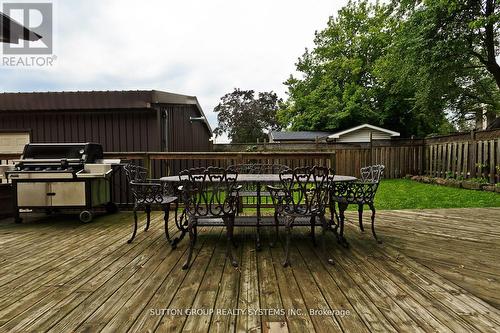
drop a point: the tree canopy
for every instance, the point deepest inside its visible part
(245, 118)
(412, 66)
(447, 51)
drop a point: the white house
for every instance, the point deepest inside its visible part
(362, 133)
(356, 134)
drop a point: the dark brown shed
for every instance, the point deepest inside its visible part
(121, 120)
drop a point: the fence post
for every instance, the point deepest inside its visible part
(333, 162)
(473, 154)
(419, 153)
(147, 164)
(371, 148)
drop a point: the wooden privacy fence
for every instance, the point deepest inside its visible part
(399, 161)
(463, 155)
(465, 159)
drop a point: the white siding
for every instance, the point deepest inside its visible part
(363, 135)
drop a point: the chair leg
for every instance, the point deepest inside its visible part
(148, 217)
(341, 238)
(334, 217)
(179, 222)
(276, 230)
(323, 239)
(166, 214)
(313, 226)
(360, 217)
(229, 221)
(192, 240)
(233, 239)
(178, 219)
(288, 227)
(135, 226)
(372, 207)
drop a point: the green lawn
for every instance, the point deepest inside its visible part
(408, 194)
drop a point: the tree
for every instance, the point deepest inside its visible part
(341, 85)
(410, 65)
(245, 118)
(447, 51)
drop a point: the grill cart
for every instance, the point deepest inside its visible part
(70, 177)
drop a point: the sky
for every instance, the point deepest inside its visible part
(191, 47)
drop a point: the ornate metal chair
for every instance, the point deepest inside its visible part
(361, 192)
(256, 190)
(209, 195)
(303, 193)
(148, 193)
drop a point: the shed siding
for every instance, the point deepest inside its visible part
(184, 135)
(116, 130)
(363, 135)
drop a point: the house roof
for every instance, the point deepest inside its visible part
(12, 31)
(94, 100)
(297, 136)
(338, 134)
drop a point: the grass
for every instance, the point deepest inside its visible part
(408, 194)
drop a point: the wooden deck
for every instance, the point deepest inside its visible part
(437, 271)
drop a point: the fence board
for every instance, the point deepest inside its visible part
(459, 160)
(492, 160)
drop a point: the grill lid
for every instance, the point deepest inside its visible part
(56, 152)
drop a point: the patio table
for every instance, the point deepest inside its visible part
(258, 180)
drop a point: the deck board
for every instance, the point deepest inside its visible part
(437, 270)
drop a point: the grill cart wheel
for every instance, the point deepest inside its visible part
(86, 216)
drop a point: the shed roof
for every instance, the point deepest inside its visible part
(298, 135)
(376, 128)
(93, 100)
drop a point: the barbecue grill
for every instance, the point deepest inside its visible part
(63, 176)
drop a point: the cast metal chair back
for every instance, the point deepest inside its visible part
(303, 193)
(209, 195)
(372, 173)
(305, 190)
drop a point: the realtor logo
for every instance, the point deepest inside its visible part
(29, 30)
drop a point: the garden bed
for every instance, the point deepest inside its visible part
(478, 184)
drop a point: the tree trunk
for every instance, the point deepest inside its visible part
(491, 62)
